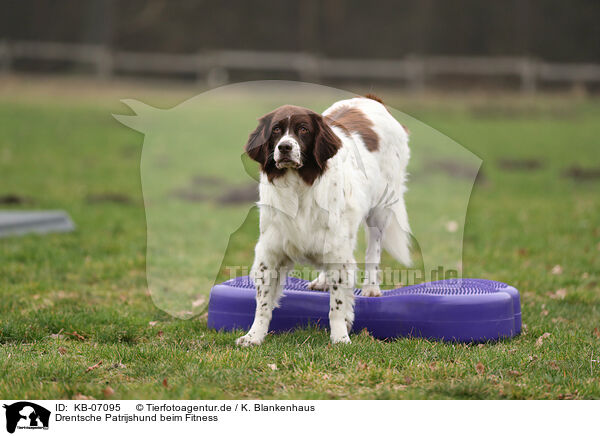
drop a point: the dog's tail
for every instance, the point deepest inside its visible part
(374, 97)
(396, 236)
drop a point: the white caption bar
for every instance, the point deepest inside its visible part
(297, 417)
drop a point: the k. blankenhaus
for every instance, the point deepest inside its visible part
(280, 408)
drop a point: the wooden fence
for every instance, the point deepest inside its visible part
(214, 67)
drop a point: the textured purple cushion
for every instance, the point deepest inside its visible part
(453, 310)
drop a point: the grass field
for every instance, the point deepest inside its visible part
(71, 301)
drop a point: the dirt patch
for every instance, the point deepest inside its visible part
(109, 197)
(208, 181)
(519, 112)
(520, 164)
(225, 196)
(14, 199)
(209, 188)
(238, 195)
(580, 174)
(130, 151)
(454, 169)
(190, 195)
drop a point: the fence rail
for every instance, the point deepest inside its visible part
(214, 67)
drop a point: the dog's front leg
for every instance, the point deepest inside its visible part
(341, 280)
(268, 274)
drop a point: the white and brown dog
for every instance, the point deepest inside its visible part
(321, 177)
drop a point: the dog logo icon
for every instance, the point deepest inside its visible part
(26, 415)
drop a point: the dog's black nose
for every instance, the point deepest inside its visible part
(285, 148)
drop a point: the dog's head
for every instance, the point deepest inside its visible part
(292, 138)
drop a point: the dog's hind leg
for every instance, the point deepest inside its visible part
(320, 283)
(375, 224)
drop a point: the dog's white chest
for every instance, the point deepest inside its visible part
(305, 234)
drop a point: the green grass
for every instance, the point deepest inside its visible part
(520, 224)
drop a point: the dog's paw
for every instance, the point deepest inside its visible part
(370, 291)
(344, 339)
(318, 285)
(247, 341)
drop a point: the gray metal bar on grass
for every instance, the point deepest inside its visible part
(23, 222)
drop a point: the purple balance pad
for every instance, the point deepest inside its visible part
(462, 310)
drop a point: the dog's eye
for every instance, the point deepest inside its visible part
(276, 129)
(303, 130)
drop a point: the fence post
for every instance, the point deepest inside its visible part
(104, 63)
(308, 67)
(5, 57)
(415, 73)
(210, 73)
(528, 72)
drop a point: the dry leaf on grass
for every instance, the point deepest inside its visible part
(523, 252)
(184, 314)
(108, 392)
(398, 387)
(365, 333)
(76, 335)
(199, 302)
(165, 383)
(480, 368)
(93, 367)
(596, 332)
(557, 270)
(559, 294)
(273, 366)
(568, 396)
(540, 340)
(82, 397)
(160, 334)
(62, 351)
(451, 226)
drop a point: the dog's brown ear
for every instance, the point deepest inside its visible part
(256, 147)
(326, 142)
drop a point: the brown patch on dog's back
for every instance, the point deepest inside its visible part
(355, 121)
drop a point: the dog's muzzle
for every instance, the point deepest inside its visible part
(287, 154)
